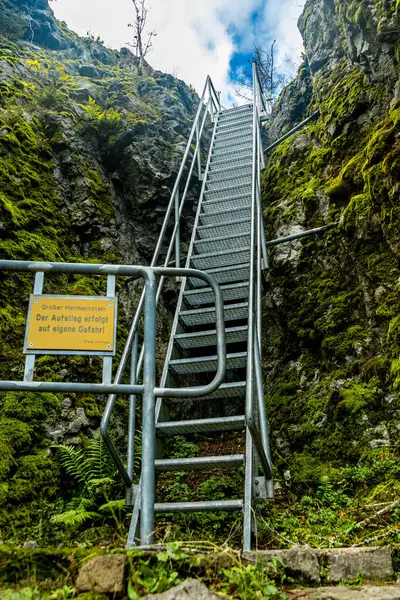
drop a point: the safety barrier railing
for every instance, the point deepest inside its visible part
(148, 388)
(255, 405)
(209, 104)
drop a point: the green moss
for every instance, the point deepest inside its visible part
(100, 194)
(331, 320)
(28, 475)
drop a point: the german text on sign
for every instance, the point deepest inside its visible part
(71, 324)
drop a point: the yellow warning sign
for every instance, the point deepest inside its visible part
(71, 324)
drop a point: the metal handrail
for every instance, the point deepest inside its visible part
(148, 389)
(164, 376)
(255, 410)
(175, 205)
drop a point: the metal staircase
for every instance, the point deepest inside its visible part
(228, 244)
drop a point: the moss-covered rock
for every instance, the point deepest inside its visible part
(85, 161)
(331, 316)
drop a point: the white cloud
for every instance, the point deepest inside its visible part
(280, 20)
(193, 38)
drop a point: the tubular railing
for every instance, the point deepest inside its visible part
(255, 406)
(148, 389)
(209, 105)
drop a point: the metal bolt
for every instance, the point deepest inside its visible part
(31, 344)
(257, 482)
(36, 301)
(108, 346)
(110, 303)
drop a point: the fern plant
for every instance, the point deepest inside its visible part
(105, 121)
(94, 474)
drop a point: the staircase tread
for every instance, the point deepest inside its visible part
(227, 210)
(222, 238)
(230, 187)
(222, 170)
(229, 199)
(218, 225)
(242, 130)
(227, 268)
(225, 286)
(195, 311)
(210, 332)
(220, 253)
(199, 359)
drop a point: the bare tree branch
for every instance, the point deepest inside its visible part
(381, 512)
(271, 79)
(141, 45)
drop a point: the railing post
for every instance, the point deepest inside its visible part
(178, 232)
(132, 419)
(210, 102)
(31, 358)
(198, 151)
(148, 416)
(108, 360)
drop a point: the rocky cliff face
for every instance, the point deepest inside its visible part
(331, 316)
(90, 147)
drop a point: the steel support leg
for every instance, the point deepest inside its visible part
(148, 439)
(132, 421)
(248, 492)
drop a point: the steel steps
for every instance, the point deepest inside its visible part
(232, 167)
(231, 133)
(214, 184)
(235, 291)
(225, 274)
(223, 176)
(204, 364)
(230, 143)
(216, 205)
(233, 390)
(220, 192)
(222, 243)
(224, 123)
(224, 258)
(230, 461)
(201, 426)
(240, 144)
(231, 160)
(221, 247)
(238, 112)
(238, 227)
(205, 316)
(220, 215)
(233, 335)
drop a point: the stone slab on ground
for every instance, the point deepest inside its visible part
(103, 574)
(301, 562)
(362, 592)
(304, 564)
(191, 589)
(347, 563)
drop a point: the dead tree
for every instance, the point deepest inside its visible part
(142, 41)
(271, 78)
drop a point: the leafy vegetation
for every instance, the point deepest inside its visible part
(152, 572)
(94, 473)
